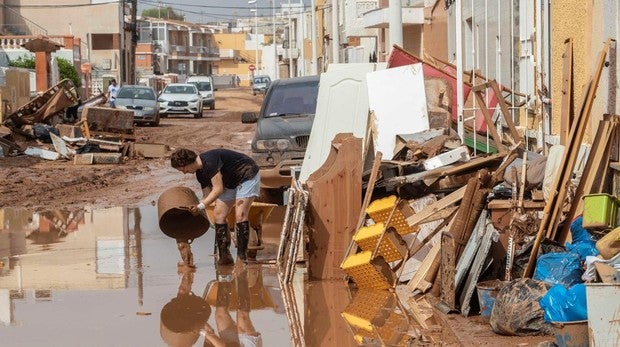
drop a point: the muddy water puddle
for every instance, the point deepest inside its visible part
(110, 277)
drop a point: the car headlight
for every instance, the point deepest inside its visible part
(273, 145)
(162, 101)
(194, 100)
(209, 95)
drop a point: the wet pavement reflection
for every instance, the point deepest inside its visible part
(110, 277)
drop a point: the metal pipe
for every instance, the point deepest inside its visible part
(335, 33)
(302, 25)
(313, 65)
(274, 43)
(290, 42)
(396, 23)
(459, 69)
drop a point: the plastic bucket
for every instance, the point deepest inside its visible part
(571, 334)
(487, 292)
(175, 219)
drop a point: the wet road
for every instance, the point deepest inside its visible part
(109, 277)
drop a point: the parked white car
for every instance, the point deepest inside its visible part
(206, 89)
(180, 98)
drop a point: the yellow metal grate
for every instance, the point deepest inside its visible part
(367, 272)
(379, 210)
(392, 247)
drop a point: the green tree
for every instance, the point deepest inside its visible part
(65, 68)
(163, 12)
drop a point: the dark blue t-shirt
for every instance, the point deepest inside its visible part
(235, 167)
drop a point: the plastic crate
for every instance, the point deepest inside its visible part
(599, 211)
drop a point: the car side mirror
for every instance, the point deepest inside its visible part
(249, 117)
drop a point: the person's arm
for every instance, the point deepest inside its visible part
(217, 188)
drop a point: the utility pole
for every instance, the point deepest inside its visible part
(134, 42)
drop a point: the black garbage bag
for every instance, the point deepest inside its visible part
(516, 310)
(42, 132)
(89, 147)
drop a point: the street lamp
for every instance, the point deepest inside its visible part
(255, 10)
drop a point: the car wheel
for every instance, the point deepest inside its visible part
(163, 115)
(198, 115)
(212, 107)
(254, 93)
(155, 123)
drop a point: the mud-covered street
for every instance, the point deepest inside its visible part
(38, 184)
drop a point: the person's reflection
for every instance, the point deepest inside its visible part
(185, 315)
(241, 291)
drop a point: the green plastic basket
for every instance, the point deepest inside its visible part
(599, 211)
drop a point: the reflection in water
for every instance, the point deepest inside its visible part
(183, 317)
(117, 262)
(238, 288)
(376, 318)
(55, 225)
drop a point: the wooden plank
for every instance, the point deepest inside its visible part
(567, 107)
(423, 278)
(448, 271)
(490, 124)
(598, 158)
(505, 112)
(558, 193)
(435, 207)
(367, 197)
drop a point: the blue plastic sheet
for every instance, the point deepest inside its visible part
(559, 268)
(583, 242)
(565, 305)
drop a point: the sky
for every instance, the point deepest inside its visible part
(200, 11)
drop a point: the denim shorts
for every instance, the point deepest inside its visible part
(247, 189)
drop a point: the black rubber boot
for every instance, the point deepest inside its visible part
(222, 240)
(243, 235)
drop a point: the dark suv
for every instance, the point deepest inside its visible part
(283, 128)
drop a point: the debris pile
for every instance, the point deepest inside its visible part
(468, 224)
(57, 125)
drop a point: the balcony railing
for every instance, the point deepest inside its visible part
(16, 42)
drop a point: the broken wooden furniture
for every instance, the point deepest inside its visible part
(44, 107)
(335, 194)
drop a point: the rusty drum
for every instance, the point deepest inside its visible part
(175, 219)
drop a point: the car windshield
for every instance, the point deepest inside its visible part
(203, 86)
(292, 99)
(180, 90)
(136, 93)
(261, 80)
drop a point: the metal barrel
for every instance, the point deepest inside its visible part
(175, 219)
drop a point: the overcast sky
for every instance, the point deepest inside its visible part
(214, 10)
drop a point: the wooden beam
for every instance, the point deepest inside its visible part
(435, 207)
(567, 111)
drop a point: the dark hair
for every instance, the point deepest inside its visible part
(182, 157)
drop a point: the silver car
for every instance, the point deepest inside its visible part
(142, 100)
(180, 98)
